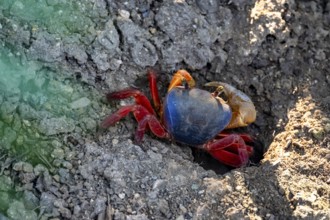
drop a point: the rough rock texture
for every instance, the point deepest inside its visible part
(277, 51)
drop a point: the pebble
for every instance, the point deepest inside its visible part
(80, 103)
(58, 153)
(115, 141)
(121, 195)
(123, 13)
(67, 165)
(23, 166)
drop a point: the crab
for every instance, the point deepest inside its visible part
(192, 116)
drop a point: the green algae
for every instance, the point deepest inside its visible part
(57, 16)
(37, 106)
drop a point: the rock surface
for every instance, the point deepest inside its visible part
(276, 51)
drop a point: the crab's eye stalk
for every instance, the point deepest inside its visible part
(185, 84)
(182, 77)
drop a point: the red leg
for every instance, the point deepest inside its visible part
(245, 137)
(139, 97)
(115, 117)
(230, 150)
(154, 90)
(154, 125)
(144, 118)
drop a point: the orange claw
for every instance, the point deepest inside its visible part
(244, 112)
(179, 77)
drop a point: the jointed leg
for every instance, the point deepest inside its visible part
(139, 97)
(144, 118)
(154, 90)
(230, 150)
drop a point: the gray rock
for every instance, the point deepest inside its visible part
(6, 183)
(80, 103)
(47, 202)
(27, 112)
(2, 217)
(144, 53)
(131, 32)
(54, 126)
(109, 38)
(208, 6)
(45, 48)
(30, 200)
(176, 20)
(74, 50)
(99, 206)
(101, 59)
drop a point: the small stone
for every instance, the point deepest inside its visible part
(182, 208)
(27, 167)
(121, 195)
(80, 103)
(115, 141)
(18, 166)
(5, 183)
(56, 178)
(327, 127)
(194, 186)
(58, 153)
(123, 13)
(47, 201)
(67, 165)
(317, 133)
